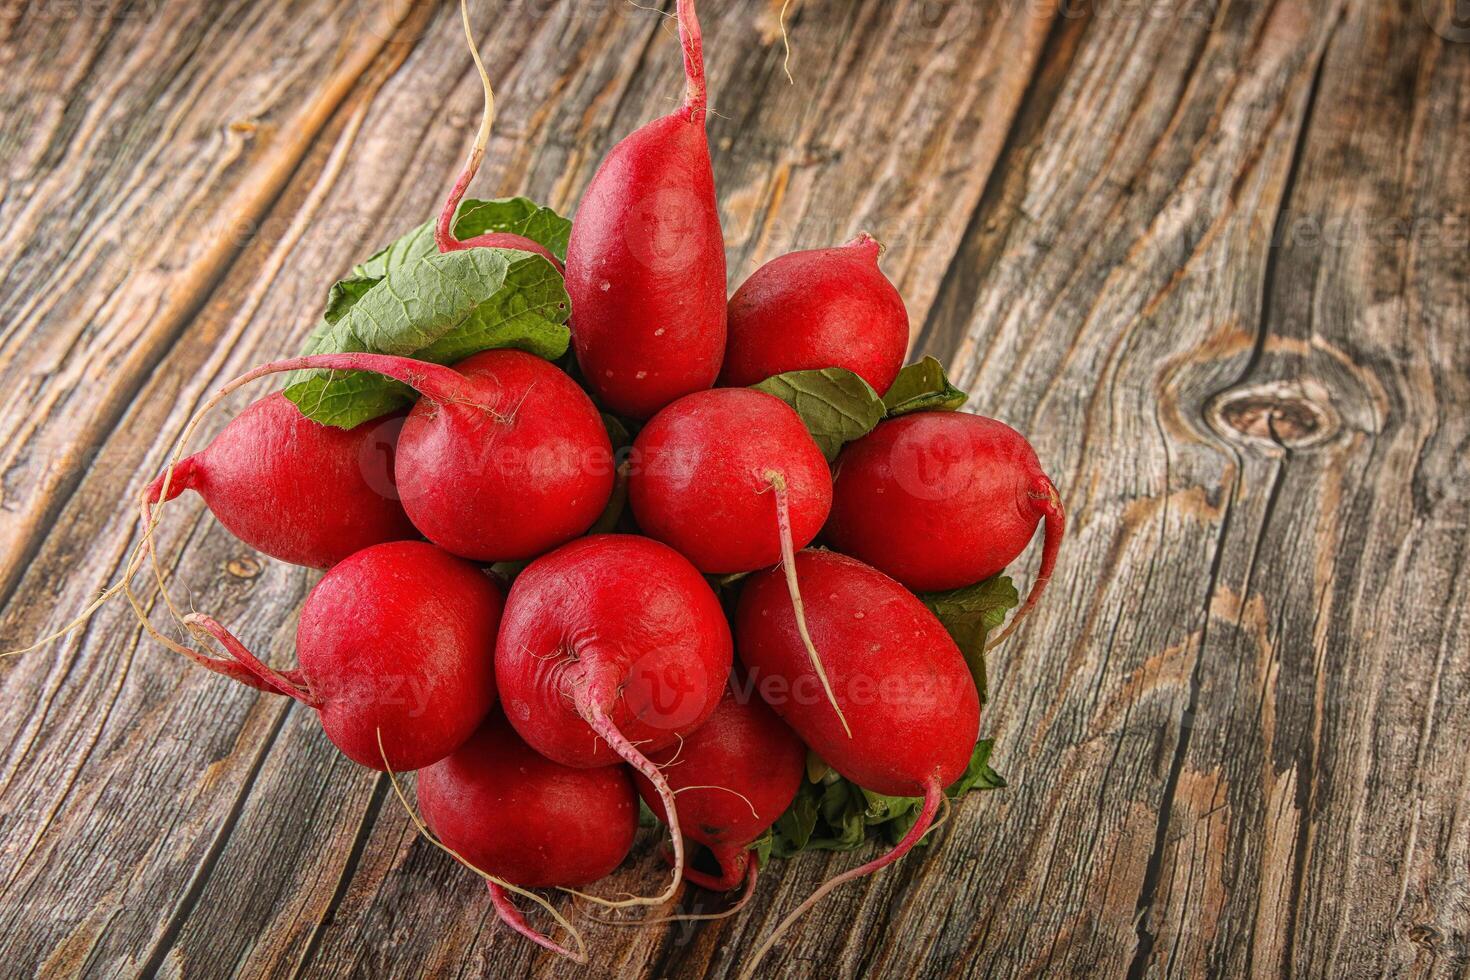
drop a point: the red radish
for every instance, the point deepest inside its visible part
(914, 711)
(299, 491)
(398, 638)
(704, 479)
(516, 815)
(827, 307)
(734, 776)
(444, 230)
(508, 468)
(646, 262)
(732, 479)
(503, 458)
(611, 647)
(939, 500)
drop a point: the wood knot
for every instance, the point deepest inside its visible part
(1296, 414)
(244, 567)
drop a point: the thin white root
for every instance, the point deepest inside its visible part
(723, 789)
(428, 835)
(785, 40)
(487, 117)
(145, 543)
(788, 563)
(746, 895)
(601, 724)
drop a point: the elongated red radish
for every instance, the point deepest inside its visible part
(646, 261)
(734, 776)
(826, 307)
(294, 489)
(398, 638)
(902, 682)
(732, 479)
(940, 500)
(611, 647)
(444, 230)
(520, 817)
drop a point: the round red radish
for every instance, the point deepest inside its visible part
(902, 683)
(706, 474)
(611, 647)
(939, 500)
(646, 262)
(500, 460)
(512, 813)
(398, 639)
(294, 489)
(734, 481)
(514, 466)
(827, 307)
(733, 776)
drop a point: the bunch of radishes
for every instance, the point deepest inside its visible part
(760, 695)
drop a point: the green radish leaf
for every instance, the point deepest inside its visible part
(343, 295)
(816, 769)
(837, 405)
(970, 613)
(517, 215)
(838, 815)
(763, 846)
(922, 387)
(795, 826)
(437, 308)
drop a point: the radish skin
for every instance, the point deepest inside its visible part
(940, 500)
(734, 776)
(646, 262)
(398, 638)
(902, 683)
(827, 307)
(733, 480)
(521, 818)
(266, 478)
(611, 647)
(502, 459)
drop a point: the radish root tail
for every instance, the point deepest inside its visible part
(600, 723)
(248, 660)
(444, 231)
(785, 41)
(788, 564)
(933, 793)
(580, 956)
(750, 870)
(1049, 503)
(512, 917)
(695, 96)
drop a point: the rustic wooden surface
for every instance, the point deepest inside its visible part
(1213, 256)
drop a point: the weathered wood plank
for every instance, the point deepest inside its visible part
(142, 141)
(1240, 749)
(1315, 824)
(1118, 285)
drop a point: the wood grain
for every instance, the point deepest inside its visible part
(1211, 257)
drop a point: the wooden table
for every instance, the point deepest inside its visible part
(1210, 255)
